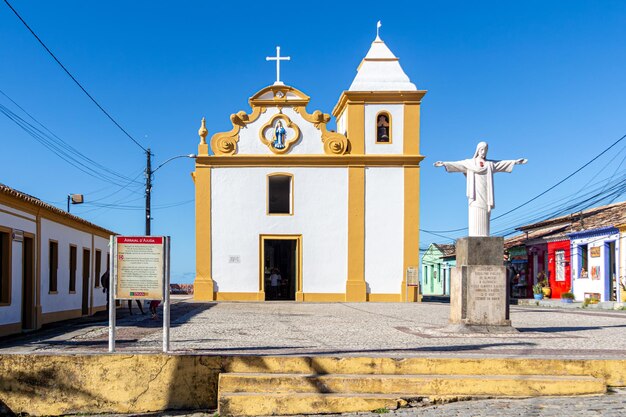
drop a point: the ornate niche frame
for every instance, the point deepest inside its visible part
(287, 124)
(334, 143)
(225, 143)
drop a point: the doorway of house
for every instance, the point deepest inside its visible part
(28, 284)
(609, 249)
(86, 275)
(280, 267)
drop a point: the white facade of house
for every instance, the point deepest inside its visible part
(29, 226)
(603, 248)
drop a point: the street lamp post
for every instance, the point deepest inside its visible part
(149, 173)
(74, 199)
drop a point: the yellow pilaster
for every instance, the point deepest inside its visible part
(411, 226)
(355, 285)
(203, 284)
(411, 146)
(355, 128)
(411, 140)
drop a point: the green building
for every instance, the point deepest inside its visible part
(436, 264)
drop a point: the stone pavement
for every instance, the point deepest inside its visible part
(339, 329)
(610, 405)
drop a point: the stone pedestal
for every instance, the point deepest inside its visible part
(479, 299)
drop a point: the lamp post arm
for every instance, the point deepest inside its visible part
(149, 172)
(191, 155)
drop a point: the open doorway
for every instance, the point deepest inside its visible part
(86, 280)
(611, 276)
(28, 284)
(280, 268)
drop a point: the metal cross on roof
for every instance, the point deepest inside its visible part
(278, 58)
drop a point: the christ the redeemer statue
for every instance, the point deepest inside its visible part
(479, 172)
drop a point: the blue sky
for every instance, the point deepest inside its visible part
(537, 79)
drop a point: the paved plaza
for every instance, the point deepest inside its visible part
(338, 329)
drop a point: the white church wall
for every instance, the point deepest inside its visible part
(396, 112)
(63, 300)
(10, 219)
(342, 122)
(384, 229)
(239, 217)
(310, 141)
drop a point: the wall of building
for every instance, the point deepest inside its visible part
(396, 111)
(597, 275)
(239, 216)
(310, 141)
(558, 287)
(63, 304)
(384, 229)
(11, 218)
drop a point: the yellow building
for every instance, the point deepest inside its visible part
(287, 209)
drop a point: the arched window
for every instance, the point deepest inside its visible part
(383, 127)
(280, 194)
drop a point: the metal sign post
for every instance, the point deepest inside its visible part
(111, 293)
(166, 296)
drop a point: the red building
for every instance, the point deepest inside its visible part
(559, 269)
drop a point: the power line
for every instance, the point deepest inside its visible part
(73, 78)
(52, 137)
(66, 152)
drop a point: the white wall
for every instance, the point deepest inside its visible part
(102, 244)
(384, 229)
(239, 216)
(622, 260)
(64, 235)
(310, 141)
(583, 285)
(9, 219)
(397, 129)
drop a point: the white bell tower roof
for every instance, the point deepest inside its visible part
(380, 70)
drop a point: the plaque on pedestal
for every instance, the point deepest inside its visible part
(479, 299)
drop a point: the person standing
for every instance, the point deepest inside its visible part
(104, 281)
(275, 281)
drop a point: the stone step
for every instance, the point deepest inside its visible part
(412, 385)
(613, 371)
(267, 404)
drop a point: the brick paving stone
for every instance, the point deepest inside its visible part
(339, 329)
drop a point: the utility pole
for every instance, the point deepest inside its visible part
(148, 189)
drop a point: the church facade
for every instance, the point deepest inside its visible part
(287, 209)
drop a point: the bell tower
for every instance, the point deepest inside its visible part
(380, 115)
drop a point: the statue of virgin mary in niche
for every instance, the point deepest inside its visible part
(279, 136)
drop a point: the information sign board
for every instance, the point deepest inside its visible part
(140, 267)
(412, 278)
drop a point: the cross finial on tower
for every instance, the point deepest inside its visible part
(278, 58)
(378, 25)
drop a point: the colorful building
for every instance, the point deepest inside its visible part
(436, 264)
(50, 263)
(595, 262)
(559, 250)
(287, 209)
